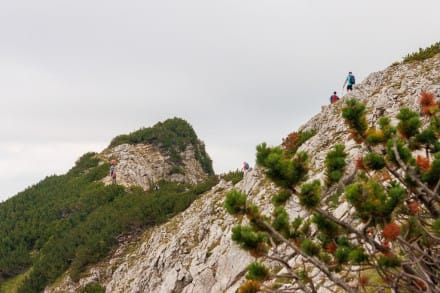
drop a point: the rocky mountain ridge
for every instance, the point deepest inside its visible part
(144, 164)
(194, 252)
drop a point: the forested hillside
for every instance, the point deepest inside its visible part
(68, 221)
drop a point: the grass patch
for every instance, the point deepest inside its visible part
(12, 285)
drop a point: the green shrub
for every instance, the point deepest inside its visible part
(354, 115)
(423, 54)
(389, 262)
(84, 163)
(335, 164)
(257, 271)
(358, 256)
(281, 221)
(427, 137)
(409, 123)
(233, 176)
(309, 247)
(247, 237)
(325, 226)
(370, 199)
(281, 197)
(402, 150)
(235, 202)
(205, 185)
(436, 226)
(93, 288)
(342, 254)
(282, 169)
(374, 161)
(310, 194)
(386, 128)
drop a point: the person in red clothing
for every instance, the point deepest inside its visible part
(334, 98)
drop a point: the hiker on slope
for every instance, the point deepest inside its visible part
(334, 98)
(349, 81)
(113, 171)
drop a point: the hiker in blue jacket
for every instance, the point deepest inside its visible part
(349, 81)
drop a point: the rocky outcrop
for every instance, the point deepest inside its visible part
(145, 164)
(194, 252)
(383, 93)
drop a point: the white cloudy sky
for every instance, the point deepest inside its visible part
(76, 73)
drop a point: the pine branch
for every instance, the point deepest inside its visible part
(317, 263)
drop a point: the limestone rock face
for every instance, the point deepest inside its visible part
(145, 164)
(193, 252)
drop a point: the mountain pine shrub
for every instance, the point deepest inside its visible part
(235, 202)
(310, 194)
(257, 271)
(354, 114)
(281, 197)
(392, 241)
(409, 123)
(335, 164)
(423, 53)
(294, 140)
(374, 161)
(233, 176)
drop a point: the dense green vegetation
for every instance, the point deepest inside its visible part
(72, 220)
(391, 240)
(233, 176)
(423, 53)
(172, 136)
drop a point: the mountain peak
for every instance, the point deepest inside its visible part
(169, 150)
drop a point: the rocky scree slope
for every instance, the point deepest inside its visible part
(194, 251)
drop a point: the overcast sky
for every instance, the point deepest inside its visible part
(74, 74)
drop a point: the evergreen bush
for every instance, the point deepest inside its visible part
(335, 164)
(235, 202)
(374, 161)
(423, 53)
(257, 272)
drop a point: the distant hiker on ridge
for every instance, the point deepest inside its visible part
(113, 171)
(334, 98)
(349, 81)
(246, 166)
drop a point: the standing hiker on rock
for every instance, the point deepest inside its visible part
(349, 81)
(113, 171)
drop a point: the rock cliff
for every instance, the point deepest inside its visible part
(194, 252)
(145, 164)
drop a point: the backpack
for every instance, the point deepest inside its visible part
(352, 79)
(334, 99)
